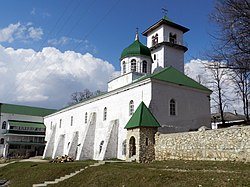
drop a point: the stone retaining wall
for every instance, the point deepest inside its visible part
(221, 144)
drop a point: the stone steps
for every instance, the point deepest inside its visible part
(45, 183)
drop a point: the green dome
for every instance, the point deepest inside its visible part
(136, 49)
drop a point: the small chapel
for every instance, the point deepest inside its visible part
(152, 94)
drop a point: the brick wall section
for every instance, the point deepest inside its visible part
(222, 144)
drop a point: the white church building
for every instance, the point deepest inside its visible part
(152, 74)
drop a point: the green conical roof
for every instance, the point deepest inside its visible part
(142, 117)
(136, 49)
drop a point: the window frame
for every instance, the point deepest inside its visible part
(1, 141)
(144, 66)
(105, 114)
(133, 65)
(124, 67)
(131, 107)
(86, 118)
(172, 107)
(4, 125)
(71, 120)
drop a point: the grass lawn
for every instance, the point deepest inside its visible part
(27, 173)
(166, 173)
(170, 173)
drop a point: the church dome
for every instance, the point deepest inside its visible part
(136, 49)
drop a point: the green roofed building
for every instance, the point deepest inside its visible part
(22, 130)
(151, 94)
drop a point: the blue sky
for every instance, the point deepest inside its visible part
(106, 27)
(50, 49)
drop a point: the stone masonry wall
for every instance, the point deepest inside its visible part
(221, 144)
(147, 151)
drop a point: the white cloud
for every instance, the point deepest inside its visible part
(6, 34)
(48, 77)
(197, 71)
(21, 32)
(61, 41)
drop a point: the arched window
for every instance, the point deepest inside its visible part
(131, 107)
(172, 107)
(4, 125)
(154, 56)
(124, 67)
(105, 114)
(60, 123)
(124, 146)
(156, 38)
(100, 146)
(1, 141)
(153, 40)
(86, 117)
(133, 65)
(172, 38)
(144, 66)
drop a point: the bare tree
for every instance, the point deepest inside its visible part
(232, 43)
(232, 39)
(241, 79)
(77, 97)
(217, 84)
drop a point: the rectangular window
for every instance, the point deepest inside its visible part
(60, 123)
(71, 122)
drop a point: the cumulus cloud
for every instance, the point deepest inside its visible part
(197, 71)
(21, 32)
(62, 41)
(48, 77)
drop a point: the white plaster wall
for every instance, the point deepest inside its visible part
(167, 30)
(163, 35)
(192, 107)
(123, 80)
(167, 56)
(159, 31)
(174, 57)
(117, 103)
(160, 55)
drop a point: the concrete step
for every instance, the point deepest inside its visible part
(68, 175)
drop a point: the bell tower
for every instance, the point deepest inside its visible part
(165, 40)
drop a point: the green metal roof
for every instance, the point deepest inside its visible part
(25, 110)
(26, 124)
(174, 76)
(142, 117)
(136, 49)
